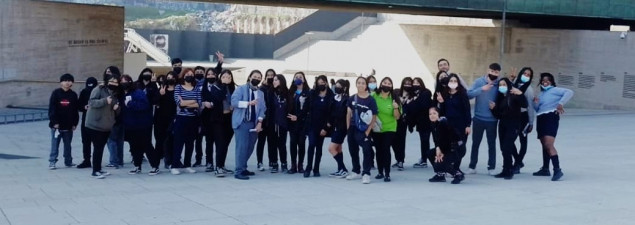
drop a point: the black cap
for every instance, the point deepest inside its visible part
(67, 77)
(495, 66)
(91, 82)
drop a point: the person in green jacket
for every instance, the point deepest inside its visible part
(388, 113)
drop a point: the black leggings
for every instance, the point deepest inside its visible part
(519, 156)
(383, 142)
(218, 135)
(424, 137)
(99, 139)
(280, 146)
(356, 139)
(399, 142)
(265, 136)
(448, 163)
(507, 134)
(298, 145)
(138, 140)
(315, 148)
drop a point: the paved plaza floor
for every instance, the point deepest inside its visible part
(596, 149)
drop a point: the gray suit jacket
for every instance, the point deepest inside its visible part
(240, 100)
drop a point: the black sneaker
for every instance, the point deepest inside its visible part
(542, 173)
(316, 174)
(307, 174)
(197, 164)
(516, 169)
(458, 178)
(241, 177)
(84, 165)
(300, 168)
(274, 168)
(386, 179)
(335, 174)
(502, 174)
(283, 168)
(437, 178)
(394, 165)
(379, 176)
(97, 175)
(209, 167)
(219, 172)
(292, 171)
(247, 173)
(557, 174)
(400, 166)
(227, 171)
(136, 170)
(154, 171)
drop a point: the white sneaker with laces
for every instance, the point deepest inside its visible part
(175, 171)
(471, 171)
(190, 170)
(491, 172)
(353, 176)
(366, 179)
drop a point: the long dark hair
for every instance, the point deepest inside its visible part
(501, 96)
(254, 72)
(440, 84)
(321, 77)
(403, 82)
(264, 76)
(459, 88)
(282, 89)
(346, 86)
(143, 71)
(131, 83)
(305, 85)
(517, 82)
(420, 81)
(232, 85)
(115, 73)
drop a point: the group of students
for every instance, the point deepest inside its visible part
(187, 106)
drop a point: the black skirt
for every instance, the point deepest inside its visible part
(547, 124)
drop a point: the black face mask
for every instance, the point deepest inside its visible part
(170, 82)
(254, 82)
(126, 86)
(112, 87)
(339, 90)
(492, 77)
(408, 89)
(189, 79)
(211, 80)
(416, 88)
(177, 70)
(321, 87)
(146, 77)
(385, 88)
(444, 81)
(199, 76)
(269, 81)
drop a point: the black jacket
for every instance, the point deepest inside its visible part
(84, 95)
(339, 111)
(299, 109)
(214, 93)
(416, 111)
(507, 108)
(63, 109)
(318, 118)
(445, 137)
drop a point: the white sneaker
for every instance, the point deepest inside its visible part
(471, 171)
(366, 179)
(190, 170)
(353, 176)
(175, 171)
(491, 172)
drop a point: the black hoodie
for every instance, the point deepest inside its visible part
(84, 95)
(63, 109)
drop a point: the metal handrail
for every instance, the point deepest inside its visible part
(23, 117)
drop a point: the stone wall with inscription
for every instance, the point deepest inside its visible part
(40, 40)
(597, 65)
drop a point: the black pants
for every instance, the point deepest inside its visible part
(298, 145)
(185, 131)
(448, 163)
(138, 140)
(161, 126)
(399, 142)
(520, 155)
(99, 139)
(265, 136)
(280, 146)
(315, 148)
(86, 141)
(356, 139)
(218, 135)
(424, 137)
(201, 133)
(168, 145)
(507, 133)
(383, 141)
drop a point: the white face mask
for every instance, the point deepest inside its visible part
(453, 85)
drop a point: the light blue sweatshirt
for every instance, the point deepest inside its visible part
(481, 104)
(549, 100)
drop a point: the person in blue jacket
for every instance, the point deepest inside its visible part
(137, 123)
(299, 97)
(549, 106)
(249, 112)
(321, 99)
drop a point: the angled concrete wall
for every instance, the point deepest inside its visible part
(39, 41)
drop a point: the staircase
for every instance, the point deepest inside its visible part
(137, 42)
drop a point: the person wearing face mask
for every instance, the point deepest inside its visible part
(440, 85)
(339, 130)
(137, 121)
(443, 156)
(321, 99)
(115, 141)
(523, 83)
(484, 90)
(455, 106)
(84, 95)
(248, 115)
(217, 119)
(506, 109)
(388, 112)
(177, 66)
(164, 115)
(402, 94)
(150, 89)
(279, 99)
(267, 135)
(201, 80)
(298, 114)
(415, 109)
(372, 83)
(103, 106)
(188, 100)
(549, 105)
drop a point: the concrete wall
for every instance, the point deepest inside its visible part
(597, 65)
(39, 41)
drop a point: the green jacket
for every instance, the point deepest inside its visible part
(100, 115)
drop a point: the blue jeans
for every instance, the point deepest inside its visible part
(115, 145)
(66, 136)
(478, 128)
(245, 143)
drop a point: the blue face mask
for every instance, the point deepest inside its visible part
(546, 88)
(524, 79)
(297, 81)
(298, 92)
(372, 86)
(502, 90)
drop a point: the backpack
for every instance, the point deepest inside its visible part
(363, 121)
